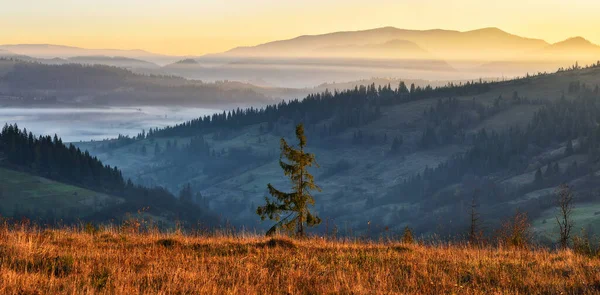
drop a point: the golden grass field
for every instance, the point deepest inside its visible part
(114, 261)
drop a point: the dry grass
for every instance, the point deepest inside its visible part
(63, 261)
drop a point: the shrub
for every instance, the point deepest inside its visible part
(90, 228)
(583, 245)
(407, 236)
(515, 232)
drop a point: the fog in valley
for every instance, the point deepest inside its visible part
(93, 124)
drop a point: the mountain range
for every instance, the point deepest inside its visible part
(482, 44)
(389, 42)
(445, 44)
(309, 60)
(50, 51)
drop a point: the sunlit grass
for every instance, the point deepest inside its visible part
(114, 261)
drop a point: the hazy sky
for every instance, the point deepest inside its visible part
(195, 27)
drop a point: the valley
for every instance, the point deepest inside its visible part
(300, 147)
(393, 152)
(362, 177)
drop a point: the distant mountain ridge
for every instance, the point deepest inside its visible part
(574, 48)
(389, 42)
(482, 43)
(49, 51)
(309, 60)
(118, 61)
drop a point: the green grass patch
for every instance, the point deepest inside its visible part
(24, 192)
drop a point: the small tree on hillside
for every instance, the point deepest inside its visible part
(565, 210)
(293, 205)
(515, 232)
(475, 231)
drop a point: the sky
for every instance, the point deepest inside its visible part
(196, 27)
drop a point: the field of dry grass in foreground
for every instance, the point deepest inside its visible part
(62, 261)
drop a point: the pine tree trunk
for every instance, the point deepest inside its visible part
(301, 193)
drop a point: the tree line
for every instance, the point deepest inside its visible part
(49, 157)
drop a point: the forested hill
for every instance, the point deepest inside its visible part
(50, 158)
(349, 108)
(33, 82)
(393, 156)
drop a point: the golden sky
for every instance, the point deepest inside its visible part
(195, 27)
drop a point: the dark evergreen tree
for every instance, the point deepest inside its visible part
(294, 205)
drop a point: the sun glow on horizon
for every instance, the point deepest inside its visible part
(186, 27)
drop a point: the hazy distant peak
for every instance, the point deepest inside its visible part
(489, 30)
(105, 57)
(66, 47)
(575, 41)
(187, 61)
(575, 45)
(62, 51)
(572, 49)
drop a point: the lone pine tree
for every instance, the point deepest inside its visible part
(293, 206)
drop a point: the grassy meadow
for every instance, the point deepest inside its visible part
(27, 192)
(119, 260)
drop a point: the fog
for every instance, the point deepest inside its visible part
(84, 124)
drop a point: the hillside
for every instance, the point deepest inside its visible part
(109, 261)
(101, 85)
(452, 143)
(30, 195)
(49, 182)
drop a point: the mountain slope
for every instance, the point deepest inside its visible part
(22, 193)
(70, 170)
(395, 157)
(106, 85)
